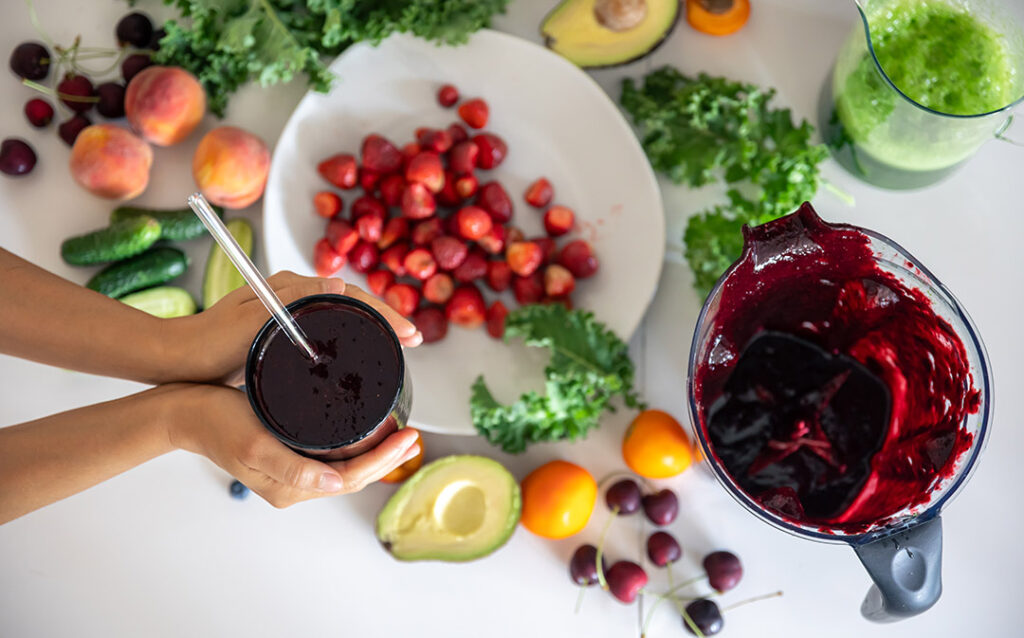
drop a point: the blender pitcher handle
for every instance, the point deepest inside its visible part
(907, 570)
(1003, 128)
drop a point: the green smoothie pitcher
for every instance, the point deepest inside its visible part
(922, 87)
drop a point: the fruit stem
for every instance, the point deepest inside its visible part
(34, 19)
(693, 626)
(774, 594)
(600, 548)
(843, 196)
(579, 599)
(63, 96)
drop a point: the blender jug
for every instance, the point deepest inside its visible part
(888, 138)
(901, 552)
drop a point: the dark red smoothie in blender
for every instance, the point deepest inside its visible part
(832, 393)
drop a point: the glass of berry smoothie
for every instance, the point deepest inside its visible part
(351, 398)
(841, 393)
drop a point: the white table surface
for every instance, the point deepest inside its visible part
(163, 551)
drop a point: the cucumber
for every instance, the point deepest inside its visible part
(152, 268)
(178, 224)
(221, 276)
(120, 240)
(163, 301)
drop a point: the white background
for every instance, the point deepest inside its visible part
(163, 550)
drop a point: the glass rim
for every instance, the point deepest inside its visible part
(263, 337)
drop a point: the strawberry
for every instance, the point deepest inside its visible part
(426, 231)
(368, 180)
(417, 202)
(438, 141)
(563, 301)
(370, 226)
(473, 268)
(496, 319)
(458, 133)
(425, 168)
(327, 204)
(465, 186)
(578, 257)
(558, 281)
(394, 259)
(326, 260)
(403, 298)
(438, 288)
(474, 112)
(448, 196)
(449, 252)
(421, 133)
(431, 323)
(463, 157)
(492, 150)
(341, 236)
(493, 199)
(409, 151)
(380, 155)
(395, 229)
(340, 170)
(379, 280)
(528, 290)
(474, 222)
(420, 264)
(466, 307)
(364, 256)
(494, 241)
(499, 275)
(513, 234)
(539, 193)
(368, 205)
(447, 96)
(391, 188)
(451, 226)
(547, 247)
(559, 220)
(524, 257)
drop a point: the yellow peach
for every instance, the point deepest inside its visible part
(230, 167)
(110, 161)
(164, 104)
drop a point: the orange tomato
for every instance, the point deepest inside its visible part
(407, 469)
(558, 498)
(655, 445)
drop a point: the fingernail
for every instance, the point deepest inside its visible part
(329, 482)
(411, 453)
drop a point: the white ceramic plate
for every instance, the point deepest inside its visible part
(557, 122)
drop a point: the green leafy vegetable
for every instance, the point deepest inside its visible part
(227, 43)
(589, 366)
(704, 129)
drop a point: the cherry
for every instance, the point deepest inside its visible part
(583, 565)
(724, 570)
(135, 29)
(133, 64)
(662, 549)
(154, 42)
(39, 112)
(623, 497)
(16, 157)
(77, 86)
(111, 104)
(662, 507)
(625, 580)
(705, 614)
(70, 129)
(30, 60)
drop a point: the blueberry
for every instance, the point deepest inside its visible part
(239, 490)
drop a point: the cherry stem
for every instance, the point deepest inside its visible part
(63, 96)
(624, 474)
(693, 626)
(34, 19)
(600, 548)
(774, 594)
(667, 596)
(579, 599)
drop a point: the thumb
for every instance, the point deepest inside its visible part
(300, 287)
(298, 472)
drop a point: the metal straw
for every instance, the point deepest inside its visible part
(245, 266)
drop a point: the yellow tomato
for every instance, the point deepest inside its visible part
(407, 469)
(655, 445)
(558, 498)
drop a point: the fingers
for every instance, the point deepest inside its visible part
(273, 459)
(292, 287)
(405, 329)
(371, 466)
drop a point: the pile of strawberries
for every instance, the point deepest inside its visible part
(426, 232)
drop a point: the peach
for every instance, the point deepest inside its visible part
(164, 104)
(230, 167)
(110, 161)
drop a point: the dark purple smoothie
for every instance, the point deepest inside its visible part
(346, 401)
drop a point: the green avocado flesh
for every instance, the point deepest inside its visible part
(455, 509)
(573, 30)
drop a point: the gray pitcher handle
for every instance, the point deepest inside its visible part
(907, 569)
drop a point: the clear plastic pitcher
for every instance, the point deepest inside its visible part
(920, 85)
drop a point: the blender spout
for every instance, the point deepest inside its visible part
(906, 568)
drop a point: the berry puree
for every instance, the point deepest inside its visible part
(829, 390)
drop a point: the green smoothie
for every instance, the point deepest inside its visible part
(942, 57)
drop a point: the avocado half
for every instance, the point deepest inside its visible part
(457, 508)
(575, 30)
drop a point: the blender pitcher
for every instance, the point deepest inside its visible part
(883, 135)
(902, 553)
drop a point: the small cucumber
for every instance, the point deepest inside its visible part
(221, 276)
(152, 268)
(179, 224)
(120, 240)
(163, 301)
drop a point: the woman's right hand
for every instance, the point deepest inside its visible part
(218, 423)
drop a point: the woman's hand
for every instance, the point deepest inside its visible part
(218, 423)
(211, 346)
